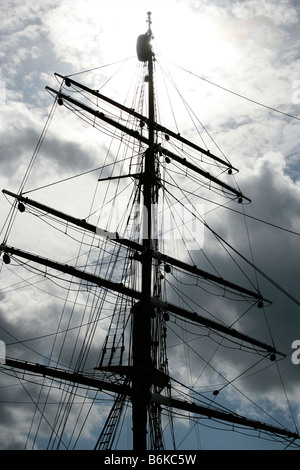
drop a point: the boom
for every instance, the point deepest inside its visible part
(191, 407)
(140, 297)
(114, 236)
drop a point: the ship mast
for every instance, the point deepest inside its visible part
(147, 380)
(142, 311)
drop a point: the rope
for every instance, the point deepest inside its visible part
(12, 213)
(237, 94)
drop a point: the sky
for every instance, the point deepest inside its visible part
(237, 65)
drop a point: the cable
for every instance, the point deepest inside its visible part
(100, 67)
(291, 297)
(12, 214)
(69, 178)
(223, 206)
(235, 93)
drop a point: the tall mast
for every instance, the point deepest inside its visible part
(147, 379)
(142, 311)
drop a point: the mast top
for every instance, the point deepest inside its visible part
(144, 49)
(149, 22)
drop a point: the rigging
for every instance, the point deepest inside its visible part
(133, 362)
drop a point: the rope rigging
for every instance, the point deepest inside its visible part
(238, 94)
(80, 326)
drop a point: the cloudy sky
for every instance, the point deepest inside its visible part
(237, 65)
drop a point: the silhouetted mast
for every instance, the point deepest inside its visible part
(142, 310)
(142, 375)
